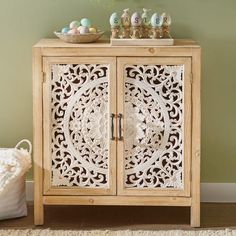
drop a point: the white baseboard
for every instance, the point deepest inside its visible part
(210, 192)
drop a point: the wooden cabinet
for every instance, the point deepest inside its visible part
(116, 125)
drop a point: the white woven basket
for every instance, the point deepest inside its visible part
(14, 163)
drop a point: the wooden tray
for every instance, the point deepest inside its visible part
(141, 42)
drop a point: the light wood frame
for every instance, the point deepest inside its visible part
(186, 62)
(47, 64)
(196, 137)
(38, 136)
(56, 48)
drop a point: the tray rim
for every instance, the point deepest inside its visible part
(79, 38)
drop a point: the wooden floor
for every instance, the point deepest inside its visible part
(139, 218)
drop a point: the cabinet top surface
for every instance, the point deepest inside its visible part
(57, 43)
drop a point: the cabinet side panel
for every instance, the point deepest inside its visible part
(37, 137)
(196, 138)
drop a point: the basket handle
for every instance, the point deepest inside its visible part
(25, 141)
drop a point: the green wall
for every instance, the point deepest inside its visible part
(210, 22)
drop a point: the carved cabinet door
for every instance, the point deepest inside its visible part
(79, 148)
(154, 125)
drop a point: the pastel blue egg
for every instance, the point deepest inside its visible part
(85, 22)
(156, 20)
(114, 19)
(65, 30)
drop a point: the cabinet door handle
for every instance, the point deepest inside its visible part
(112, 126)
(120, 128)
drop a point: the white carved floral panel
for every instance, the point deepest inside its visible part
(154, 127)
(79, 125)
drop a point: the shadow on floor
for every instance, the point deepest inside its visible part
(123, 217)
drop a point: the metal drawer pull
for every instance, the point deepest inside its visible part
(112, 126)
(120, 128)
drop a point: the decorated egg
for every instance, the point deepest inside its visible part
(156, 20)
(85, 22)
(79, 28)
(73, 31)
(145, 17)
(125, 18)
(136, 19)
(92, 30)
(74, 24)
(166, 19)
(114, 19)
(65, 30)
(83, 30)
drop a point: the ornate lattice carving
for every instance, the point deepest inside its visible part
(79, 123)
(154, 148)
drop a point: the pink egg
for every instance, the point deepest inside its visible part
(73, 31)
(79, 28)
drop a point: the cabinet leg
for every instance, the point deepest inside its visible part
(195, 215)
(38, 214)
